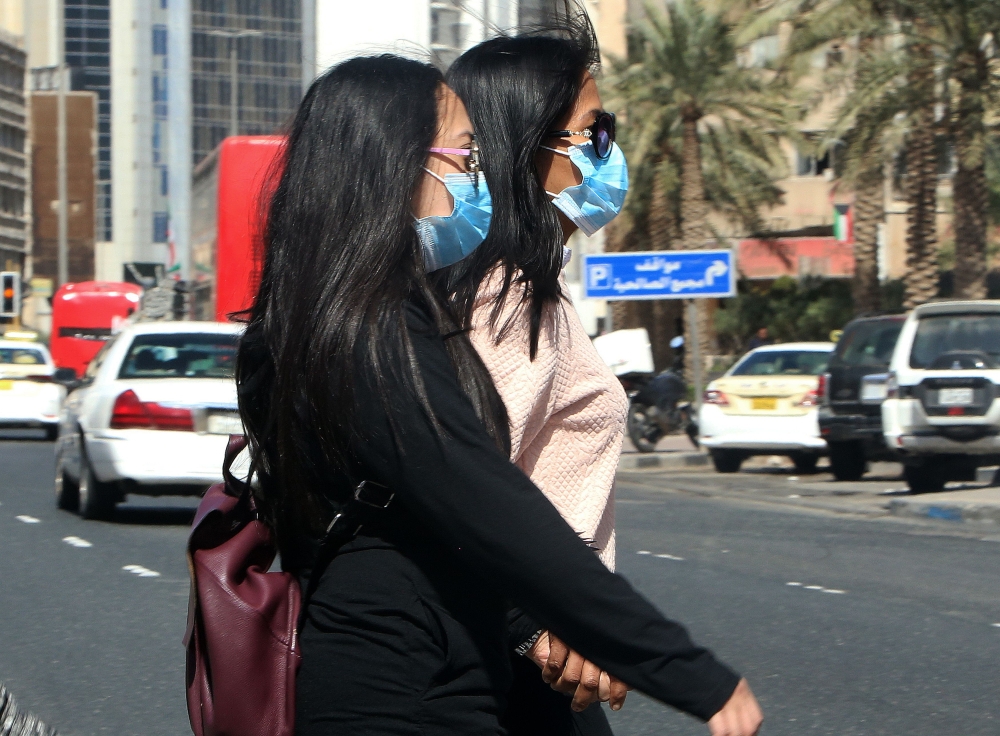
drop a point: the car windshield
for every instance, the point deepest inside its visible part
(21, 356)
(868, 344)
(946, 333)
(783, 363)
(192, 355)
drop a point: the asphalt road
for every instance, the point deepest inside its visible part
(890, 630)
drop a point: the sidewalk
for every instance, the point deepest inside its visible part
(981, 506)
(677, 467)
(673, 452)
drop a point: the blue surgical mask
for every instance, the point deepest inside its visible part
(596, 201)
(447, 240)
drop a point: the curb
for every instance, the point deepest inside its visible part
(945, 512)
(663, 460)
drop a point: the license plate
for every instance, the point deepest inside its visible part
(955, 396)
(6, 385)
(764, 403)
(224, 424)
(873, 391)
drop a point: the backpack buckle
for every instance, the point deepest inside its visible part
(373, 494)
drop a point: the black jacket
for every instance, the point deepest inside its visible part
(457, 484)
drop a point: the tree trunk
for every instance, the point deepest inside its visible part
(695, 232)
(921, 280)
(869, 206)
(970, 190)
(971, 197)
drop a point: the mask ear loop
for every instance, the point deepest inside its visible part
(561, 153)
(454, 202)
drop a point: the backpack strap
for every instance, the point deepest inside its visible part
(370, 500)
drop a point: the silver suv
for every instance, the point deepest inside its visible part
(941, 414)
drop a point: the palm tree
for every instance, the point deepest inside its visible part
(965, 33)
(703, 124)
(814, 26)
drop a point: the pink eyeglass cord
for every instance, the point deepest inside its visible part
(452, 151)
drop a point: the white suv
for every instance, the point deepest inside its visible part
(942, 414)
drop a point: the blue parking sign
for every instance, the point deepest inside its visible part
(662, 274)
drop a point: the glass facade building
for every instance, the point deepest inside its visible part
(88, 54)
(267, 38)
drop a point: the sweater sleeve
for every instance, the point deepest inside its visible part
(458, 484)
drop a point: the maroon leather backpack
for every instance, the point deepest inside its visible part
(242, 632)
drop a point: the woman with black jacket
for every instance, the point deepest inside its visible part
(351, 369)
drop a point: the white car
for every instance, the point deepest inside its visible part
(767, 404)
(152, 416)
(29, 398)
(942, 411)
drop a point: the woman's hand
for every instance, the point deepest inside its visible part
(740, 716)
(568, 672)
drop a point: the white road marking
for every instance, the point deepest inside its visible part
(77, 542)
(644, 552)
(996, 625)
(820, 588)
(794, 495)
(141, 571)
(670, 557)
(793, 477)
(28, 519)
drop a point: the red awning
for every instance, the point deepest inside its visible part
(769, 259)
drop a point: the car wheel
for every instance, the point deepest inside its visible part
(924, 478)
(52, 432)
(847, 460)
(642, 428)
(67, 490)
(805, 462)
(97, 499)
(727, 461)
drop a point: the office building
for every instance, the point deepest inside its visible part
(81, 154)
(256, 45)
(13, 161)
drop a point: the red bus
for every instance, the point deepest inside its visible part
(84, 316)
(228, 199)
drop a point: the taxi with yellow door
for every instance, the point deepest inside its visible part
(767, 404)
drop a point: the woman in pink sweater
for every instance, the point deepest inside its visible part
(547, 150)
(536, 94)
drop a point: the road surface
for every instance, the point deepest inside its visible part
(843, 625)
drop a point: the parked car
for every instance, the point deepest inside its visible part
(850, 417)
(29, 396)
(766, 404)
(941, 414)
(152, 416)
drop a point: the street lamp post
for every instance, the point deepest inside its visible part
(234, 78)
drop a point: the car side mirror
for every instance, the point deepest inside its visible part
(66, 376)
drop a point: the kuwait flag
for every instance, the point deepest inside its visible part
(843, 224)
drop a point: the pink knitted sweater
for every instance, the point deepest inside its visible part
(567, 413)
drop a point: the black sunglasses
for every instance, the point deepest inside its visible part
(602, 133)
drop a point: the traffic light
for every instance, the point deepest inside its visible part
(10, 294)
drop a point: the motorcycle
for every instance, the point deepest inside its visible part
(658, 404)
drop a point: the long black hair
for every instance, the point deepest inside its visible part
(516, 88)
(341, 260)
